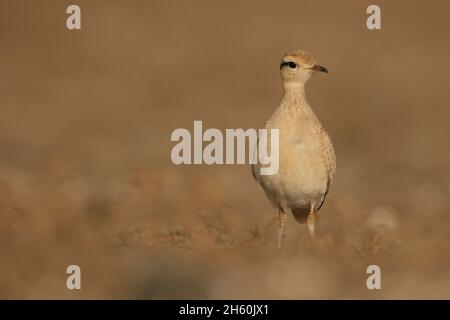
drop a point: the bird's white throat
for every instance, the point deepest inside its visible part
(294, 89)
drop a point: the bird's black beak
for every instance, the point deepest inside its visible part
(319, 68)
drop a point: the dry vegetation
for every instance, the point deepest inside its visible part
(85, 171)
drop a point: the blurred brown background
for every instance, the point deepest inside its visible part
(85, 170)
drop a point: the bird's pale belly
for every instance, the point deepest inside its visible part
(301, 180)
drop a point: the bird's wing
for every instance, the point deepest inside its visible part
(331, 165)
(325, 195)
(329, 155)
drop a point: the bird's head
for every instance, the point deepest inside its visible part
(297, 66)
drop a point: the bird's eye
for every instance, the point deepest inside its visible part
(290, 64)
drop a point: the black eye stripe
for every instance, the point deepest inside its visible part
(290, 64)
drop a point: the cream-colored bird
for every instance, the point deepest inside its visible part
(307, 162)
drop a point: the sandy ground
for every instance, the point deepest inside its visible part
(85, 170)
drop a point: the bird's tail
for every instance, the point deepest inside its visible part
(300, 214)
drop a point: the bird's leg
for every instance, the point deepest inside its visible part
(312, 220)
(281, 220)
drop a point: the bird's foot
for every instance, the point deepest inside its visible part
(312, 221)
